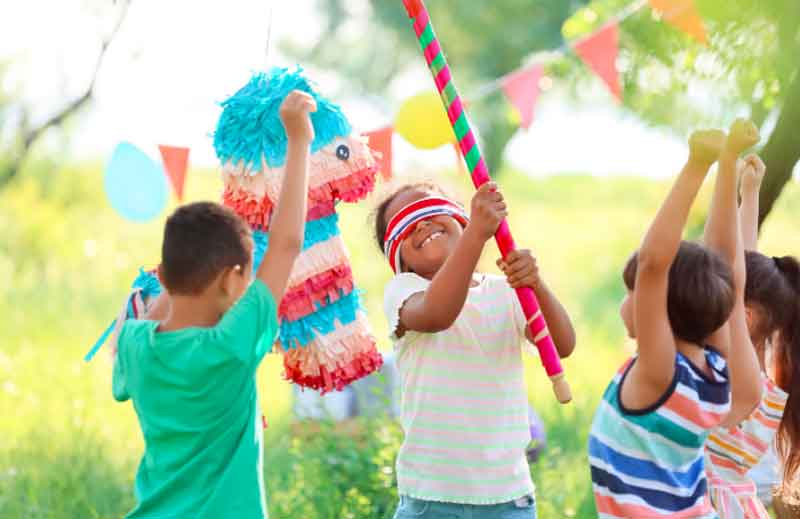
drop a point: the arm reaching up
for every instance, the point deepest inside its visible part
(752, 174)
(288, 222)
(438, 307)
(655, 366)
(743, 366)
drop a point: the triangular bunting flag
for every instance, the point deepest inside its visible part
(599, 52)
(522, 89)
(381, 141)
(683, 15)
(176, 161)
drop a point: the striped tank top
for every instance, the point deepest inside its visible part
(732, 452)
(649, 463)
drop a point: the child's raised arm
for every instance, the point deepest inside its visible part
(743, 364)
(752, 175)
(288, 222)
(656, 361)
(438, 307)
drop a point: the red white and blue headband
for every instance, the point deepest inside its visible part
(405, 221)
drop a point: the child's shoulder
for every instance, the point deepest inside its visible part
(406, 281)
(135, 331)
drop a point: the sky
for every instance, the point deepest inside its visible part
(175, 60)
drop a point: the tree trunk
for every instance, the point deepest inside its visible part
(782, 151)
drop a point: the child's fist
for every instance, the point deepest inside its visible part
(705, 146)
(743, 135)
(488, 209)
(294, 113)
(752, 172)
(520, 269)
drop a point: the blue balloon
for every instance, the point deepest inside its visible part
(135, 184)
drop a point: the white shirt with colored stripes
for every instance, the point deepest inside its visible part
(464, 405)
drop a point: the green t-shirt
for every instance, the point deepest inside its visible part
(194, 391)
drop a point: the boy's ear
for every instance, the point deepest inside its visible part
(226, 279)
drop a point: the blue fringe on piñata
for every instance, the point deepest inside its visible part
(321, 322)
(250, 127)
(317, 231)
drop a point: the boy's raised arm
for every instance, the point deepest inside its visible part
(660, 246)
(288, 222)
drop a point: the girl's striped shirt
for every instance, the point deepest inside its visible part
(649, 463)
(731, 453)
(464, 406)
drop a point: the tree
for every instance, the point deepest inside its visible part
(749, 67)
(15, 115)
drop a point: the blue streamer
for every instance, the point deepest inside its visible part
(103, 338)
(150, 286)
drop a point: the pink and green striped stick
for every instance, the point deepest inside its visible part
(480, 175)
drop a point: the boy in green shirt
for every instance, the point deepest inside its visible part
(190, 368)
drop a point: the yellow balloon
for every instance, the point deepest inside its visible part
(423, 122)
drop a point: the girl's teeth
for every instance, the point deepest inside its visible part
(430, 238)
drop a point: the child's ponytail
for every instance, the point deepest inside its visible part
(787, 363)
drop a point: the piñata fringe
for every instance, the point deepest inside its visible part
(301, 332)
(249, 129)
(321, 289)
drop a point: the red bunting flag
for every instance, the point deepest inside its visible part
(380, 140)
(522, 89)
(683, 15)
(599, 52)
(176, 160)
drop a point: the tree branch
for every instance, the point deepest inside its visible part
(782, 150)
(31, 135)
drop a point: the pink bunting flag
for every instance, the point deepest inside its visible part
(599, 52)
(522, 89)
(380, 140)
(176, 160)
(683, 15)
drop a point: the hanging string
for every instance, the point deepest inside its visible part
(269, 34)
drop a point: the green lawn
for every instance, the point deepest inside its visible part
(67, 450)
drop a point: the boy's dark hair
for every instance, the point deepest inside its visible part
(701, 294)
(201, 240)
(379, 215)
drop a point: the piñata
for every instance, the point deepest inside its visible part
(324, 333)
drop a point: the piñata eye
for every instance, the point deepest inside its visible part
(342, 152)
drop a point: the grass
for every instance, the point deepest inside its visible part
(67, 450)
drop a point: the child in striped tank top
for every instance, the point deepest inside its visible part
(772, 300)
(457, 334)
(647, 437)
